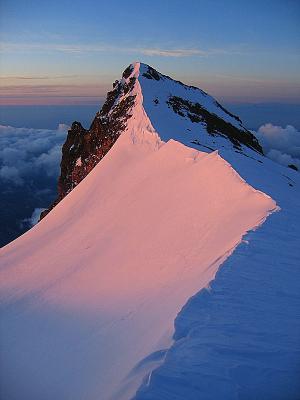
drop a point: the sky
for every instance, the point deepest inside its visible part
(69, 52)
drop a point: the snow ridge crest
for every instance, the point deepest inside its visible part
(154, 108)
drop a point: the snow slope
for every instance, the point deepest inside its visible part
(189, 115)
(90, 294)
(241, 338)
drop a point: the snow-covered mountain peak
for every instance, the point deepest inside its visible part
(182, 112)
(154, 108)
(89, 296)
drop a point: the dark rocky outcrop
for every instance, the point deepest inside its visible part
(84, 148)
(214, 124)
(293, 166)
(152, 74)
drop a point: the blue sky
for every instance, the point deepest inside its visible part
(69, 52)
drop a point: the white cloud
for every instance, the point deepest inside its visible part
(29, 170)
(283, 158)
(27, 153)
(280, 144)
(49, 161)
(11, 174)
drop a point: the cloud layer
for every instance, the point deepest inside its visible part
(29, 169)
(280, 144)
(26, 154)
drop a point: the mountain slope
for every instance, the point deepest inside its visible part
(248, 348)
(241, 338)
(177, 111)
(199, 117)
(90, 294)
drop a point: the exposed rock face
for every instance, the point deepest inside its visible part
(214, 124)
(199, 114)
(84, 148)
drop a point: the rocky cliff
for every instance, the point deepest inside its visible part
(84, 148)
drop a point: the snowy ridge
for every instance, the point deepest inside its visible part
(189, 115)
(241, 338)
(140, 127)
(257, 332)
(89, 295)
(195, 120)
(166, 86)
(96, 252)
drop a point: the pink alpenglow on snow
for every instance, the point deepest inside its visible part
(94, 288)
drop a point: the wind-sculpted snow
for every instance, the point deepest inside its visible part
(90, 294)
(241, 338)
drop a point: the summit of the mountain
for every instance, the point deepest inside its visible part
(175, 110)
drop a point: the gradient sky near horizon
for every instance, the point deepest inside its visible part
(70, 52)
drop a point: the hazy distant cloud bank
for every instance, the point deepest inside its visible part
(27, 153)
(29, 170)
(280, 144)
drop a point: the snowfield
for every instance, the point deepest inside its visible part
(89, 296)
